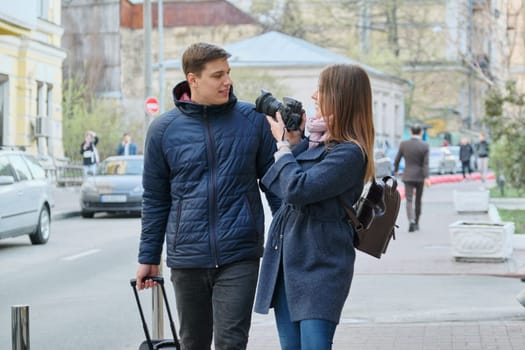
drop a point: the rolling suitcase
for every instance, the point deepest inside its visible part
(155, 344)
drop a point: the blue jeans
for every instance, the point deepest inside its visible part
(215, 303)
(313, 334)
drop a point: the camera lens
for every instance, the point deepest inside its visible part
(267, 104)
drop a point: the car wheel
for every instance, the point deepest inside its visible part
(43, 229)
(87, 214)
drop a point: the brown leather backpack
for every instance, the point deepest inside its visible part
(375, 217)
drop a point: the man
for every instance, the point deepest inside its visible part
(202, 163)
(126, 147)
(465, 154)
(415, 175)
(482, 152)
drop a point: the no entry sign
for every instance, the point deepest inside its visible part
(151, 105)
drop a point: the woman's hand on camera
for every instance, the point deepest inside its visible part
(280, 133)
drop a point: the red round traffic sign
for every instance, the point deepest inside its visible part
(151, 105)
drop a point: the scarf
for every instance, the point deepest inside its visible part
(317, 128)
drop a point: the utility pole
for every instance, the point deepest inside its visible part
(157, 309)
(470, 32)
(160, 22)
(147, 57)
(364, 28)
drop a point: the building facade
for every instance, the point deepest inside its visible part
(31, 76)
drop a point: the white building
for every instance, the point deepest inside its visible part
(297, 64)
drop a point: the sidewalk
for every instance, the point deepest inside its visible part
(416, 296)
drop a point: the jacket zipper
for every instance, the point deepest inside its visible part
(213, 201)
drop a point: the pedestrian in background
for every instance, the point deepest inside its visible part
(415, 176)
(308, 262)
(202, 163)
(126, 147)
(482, 152)
(88, 150)
(465, 156)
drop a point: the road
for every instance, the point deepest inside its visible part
(79, 296)
(77, 285)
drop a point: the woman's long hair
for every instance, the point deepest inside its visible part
(345, 99)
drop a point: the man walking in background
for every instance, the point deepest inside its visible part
(482, 151)
(415, 176)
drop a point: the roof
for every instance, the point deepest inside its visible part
(186, 14)
(278, 49)
(275, 49)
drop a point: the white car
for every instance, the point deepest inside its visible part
(441, 161)
(25, 197)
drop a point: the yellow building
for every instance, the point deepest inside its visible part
(31, 76)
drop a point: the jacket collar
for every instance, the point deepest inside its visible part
(194, 109)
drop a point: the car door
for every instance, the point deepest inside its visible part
(19, 212)
(7, 196)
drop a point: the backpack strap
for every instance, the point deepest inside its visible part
(358, 226)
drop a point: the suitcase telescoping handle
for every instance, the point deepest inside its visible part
(160, 281)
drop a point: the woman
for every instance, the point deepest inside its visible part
(309, 256)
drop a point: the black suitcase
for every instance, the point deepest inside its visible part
(155, 344)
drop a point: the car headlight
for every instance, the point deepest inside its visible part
(138, 189)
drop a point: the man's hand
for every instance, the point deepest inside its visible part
(143, 271)
(427, 182)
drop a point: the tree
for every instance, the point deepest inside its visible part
(104, 116)
(505, 117)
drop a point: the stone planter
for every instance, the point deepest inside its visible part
(481, 240)
(471, 201)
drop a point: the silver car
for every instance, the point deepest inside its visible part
(116, 187)
(25, 197)
(441, 161)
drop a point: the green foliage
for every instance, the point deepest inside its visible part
(515, 216)
(103, 116)
(505, 118)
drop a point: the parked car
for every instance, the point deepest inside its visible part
(116, 187)
(392, 153)
(382, 163)
(25, 196)
(441, 161)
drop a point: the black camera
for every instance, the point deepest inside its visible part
(291, 109)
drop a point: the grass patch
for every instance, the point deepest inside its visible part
(516, 216)
(509, 192)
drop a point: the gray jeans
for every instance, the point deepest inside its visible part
(215, 302)
(413, 206)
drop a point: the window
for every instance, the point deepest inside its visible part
(22, 171)
(5, 167)
(36, 169)
(43, 9)
(3, 108)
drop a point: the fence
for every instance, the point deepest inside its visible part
(62, 172)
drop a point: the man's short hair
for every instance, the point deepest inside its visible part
(197, 55)
(415, 129)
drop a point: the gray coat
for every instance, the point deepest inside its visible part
(310, 231)
(415, 151)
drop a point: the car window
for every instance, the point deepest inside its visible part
(20, 166)
(121, 167)
(36, 169)
(5, 167)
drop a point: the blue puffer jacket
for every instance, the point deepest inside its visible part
(201, 166)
